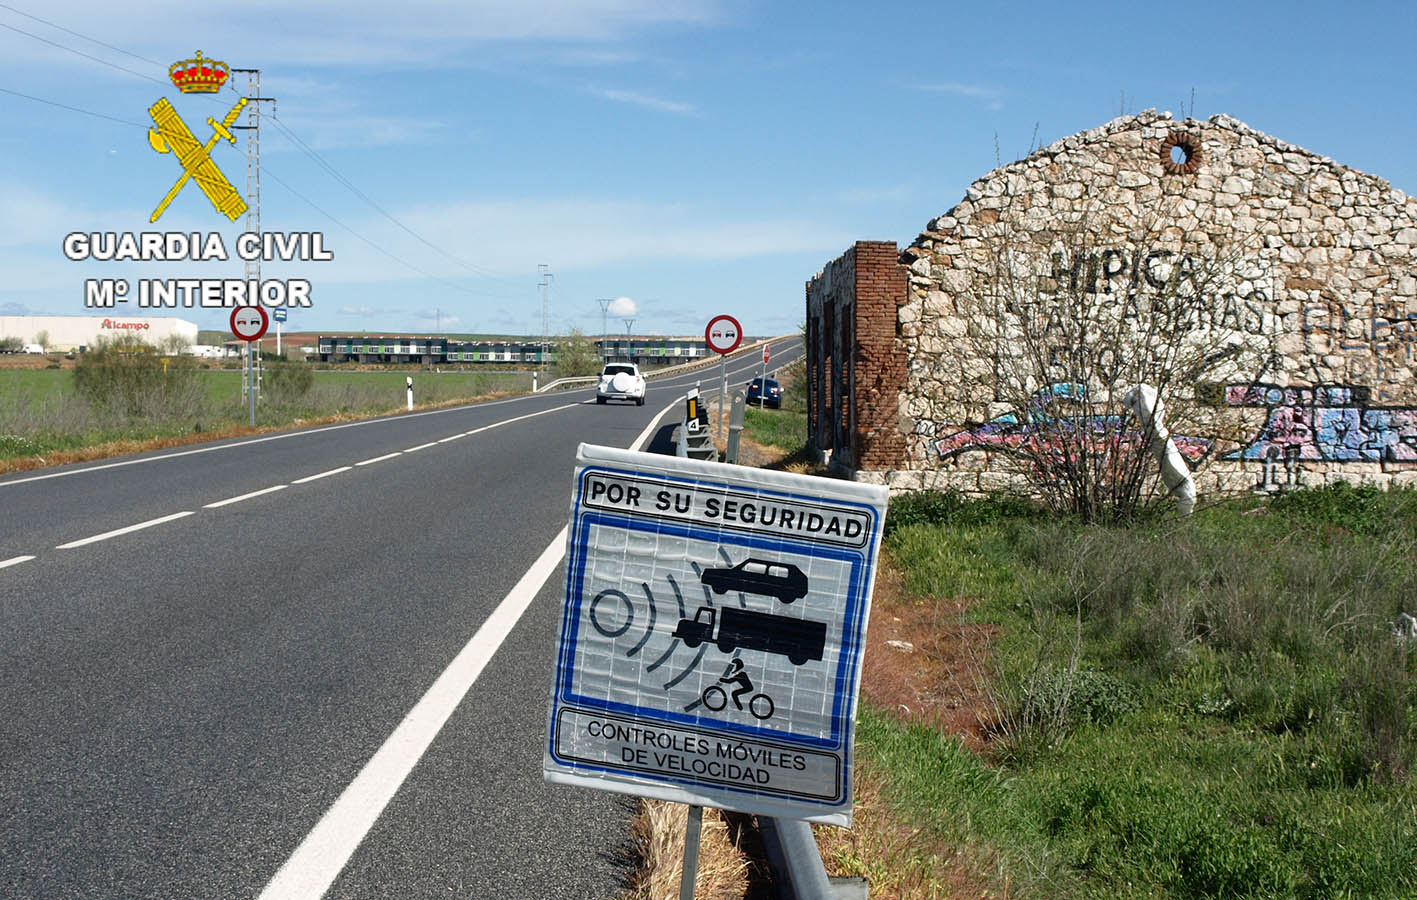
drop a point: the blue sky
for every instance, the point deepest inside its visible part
(694, 156)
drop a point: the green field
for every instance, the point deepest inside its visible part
(784, 428)
(1216, 707)
(41, 412)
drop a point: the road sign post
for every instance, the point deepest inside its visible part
(763, 390)
(248, 323)
(279, 317)
(712, 634)
(723, 335)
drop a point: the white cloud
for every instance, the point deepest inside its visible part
(985, 93)
(441, 318)
(622, 307)
(510, 234)
(637, 99)
(417, 33)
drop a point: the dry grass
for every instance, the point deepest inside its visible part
(659, 839)
(120, 448)
(900, 862)
(938, 681)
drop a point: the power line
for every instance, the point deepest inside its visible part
(77, 35)
(320, 160)
(306, 148)
(87, 112)
(278, 180)
(102, 62)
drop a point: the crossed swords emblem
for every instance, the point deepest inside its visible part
(173, 136)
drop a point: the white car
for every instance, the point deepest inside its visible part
(621, 381)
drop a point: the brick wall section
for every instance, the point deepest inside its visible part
(856, 365)
(882, 286)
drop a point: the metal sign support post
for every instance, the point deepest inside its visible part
(691, 852)
(248, 323)
(251, 355)
(722, 394)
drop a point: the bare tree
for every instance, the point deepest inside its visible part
(1066, 313)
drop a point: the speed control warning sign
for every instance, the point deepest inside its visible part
(711, 638)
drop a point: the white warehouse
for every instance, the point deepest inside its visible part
(72, 332)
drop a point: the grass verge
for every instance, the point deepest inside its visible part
(1212, 707)
(45, 421)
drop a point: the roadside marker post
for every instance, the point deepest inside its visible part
(410, 393)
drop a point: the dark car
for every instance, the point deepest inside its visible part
(765, 392)
(784, 581)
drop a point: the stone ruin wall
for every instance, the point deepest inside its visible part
(1338, 252)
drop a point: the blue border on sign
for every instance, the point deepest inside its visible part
(851, 647)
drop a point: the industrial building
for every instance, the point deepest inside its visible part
(65, 333)
(428, 349)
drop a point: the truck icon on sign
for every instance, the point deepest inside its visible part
(799, 640)
(784, 581)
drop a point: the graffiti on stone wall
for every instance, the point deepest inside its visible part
(1042, 430)
(1146, 284)
(1375, 344)
(1324, 423)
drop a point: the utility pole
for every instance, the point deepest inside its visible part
(544, 270)
(604, 335)
(629, 347)
(250, 383)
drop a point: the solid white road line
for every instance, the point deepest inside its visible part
(14, 561)
(274, 437)
(309, 478)
(451, 437)
(279, 487)
(115, 533)
(370, 462)
(315, 864)
(319, 859)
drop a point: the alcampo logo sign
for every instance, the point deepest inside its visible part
(170, 135)
(126, 326)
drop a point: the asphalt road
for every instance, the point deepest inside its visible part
(182, 703)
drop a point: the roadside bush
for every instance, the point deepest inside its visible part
(12, 445)
(286, 383)
(793, 378)
(950, 507)
(1362, 509)
(127, 378)
(1300, 624)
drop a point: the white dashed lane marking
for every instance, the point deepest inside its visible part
(309, 478)
(228, 500)
(370, 462)
(117, 531)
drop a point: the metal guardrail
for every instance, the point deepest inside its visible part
(562, 382)
(790, 847)
(668, 370)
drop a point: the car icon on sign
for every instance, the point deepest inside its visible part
(784, 581)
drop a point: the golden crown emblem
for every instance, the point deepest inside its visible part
(199, 76)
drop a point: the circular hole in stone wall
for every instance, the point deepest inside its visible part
(1180, 154)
